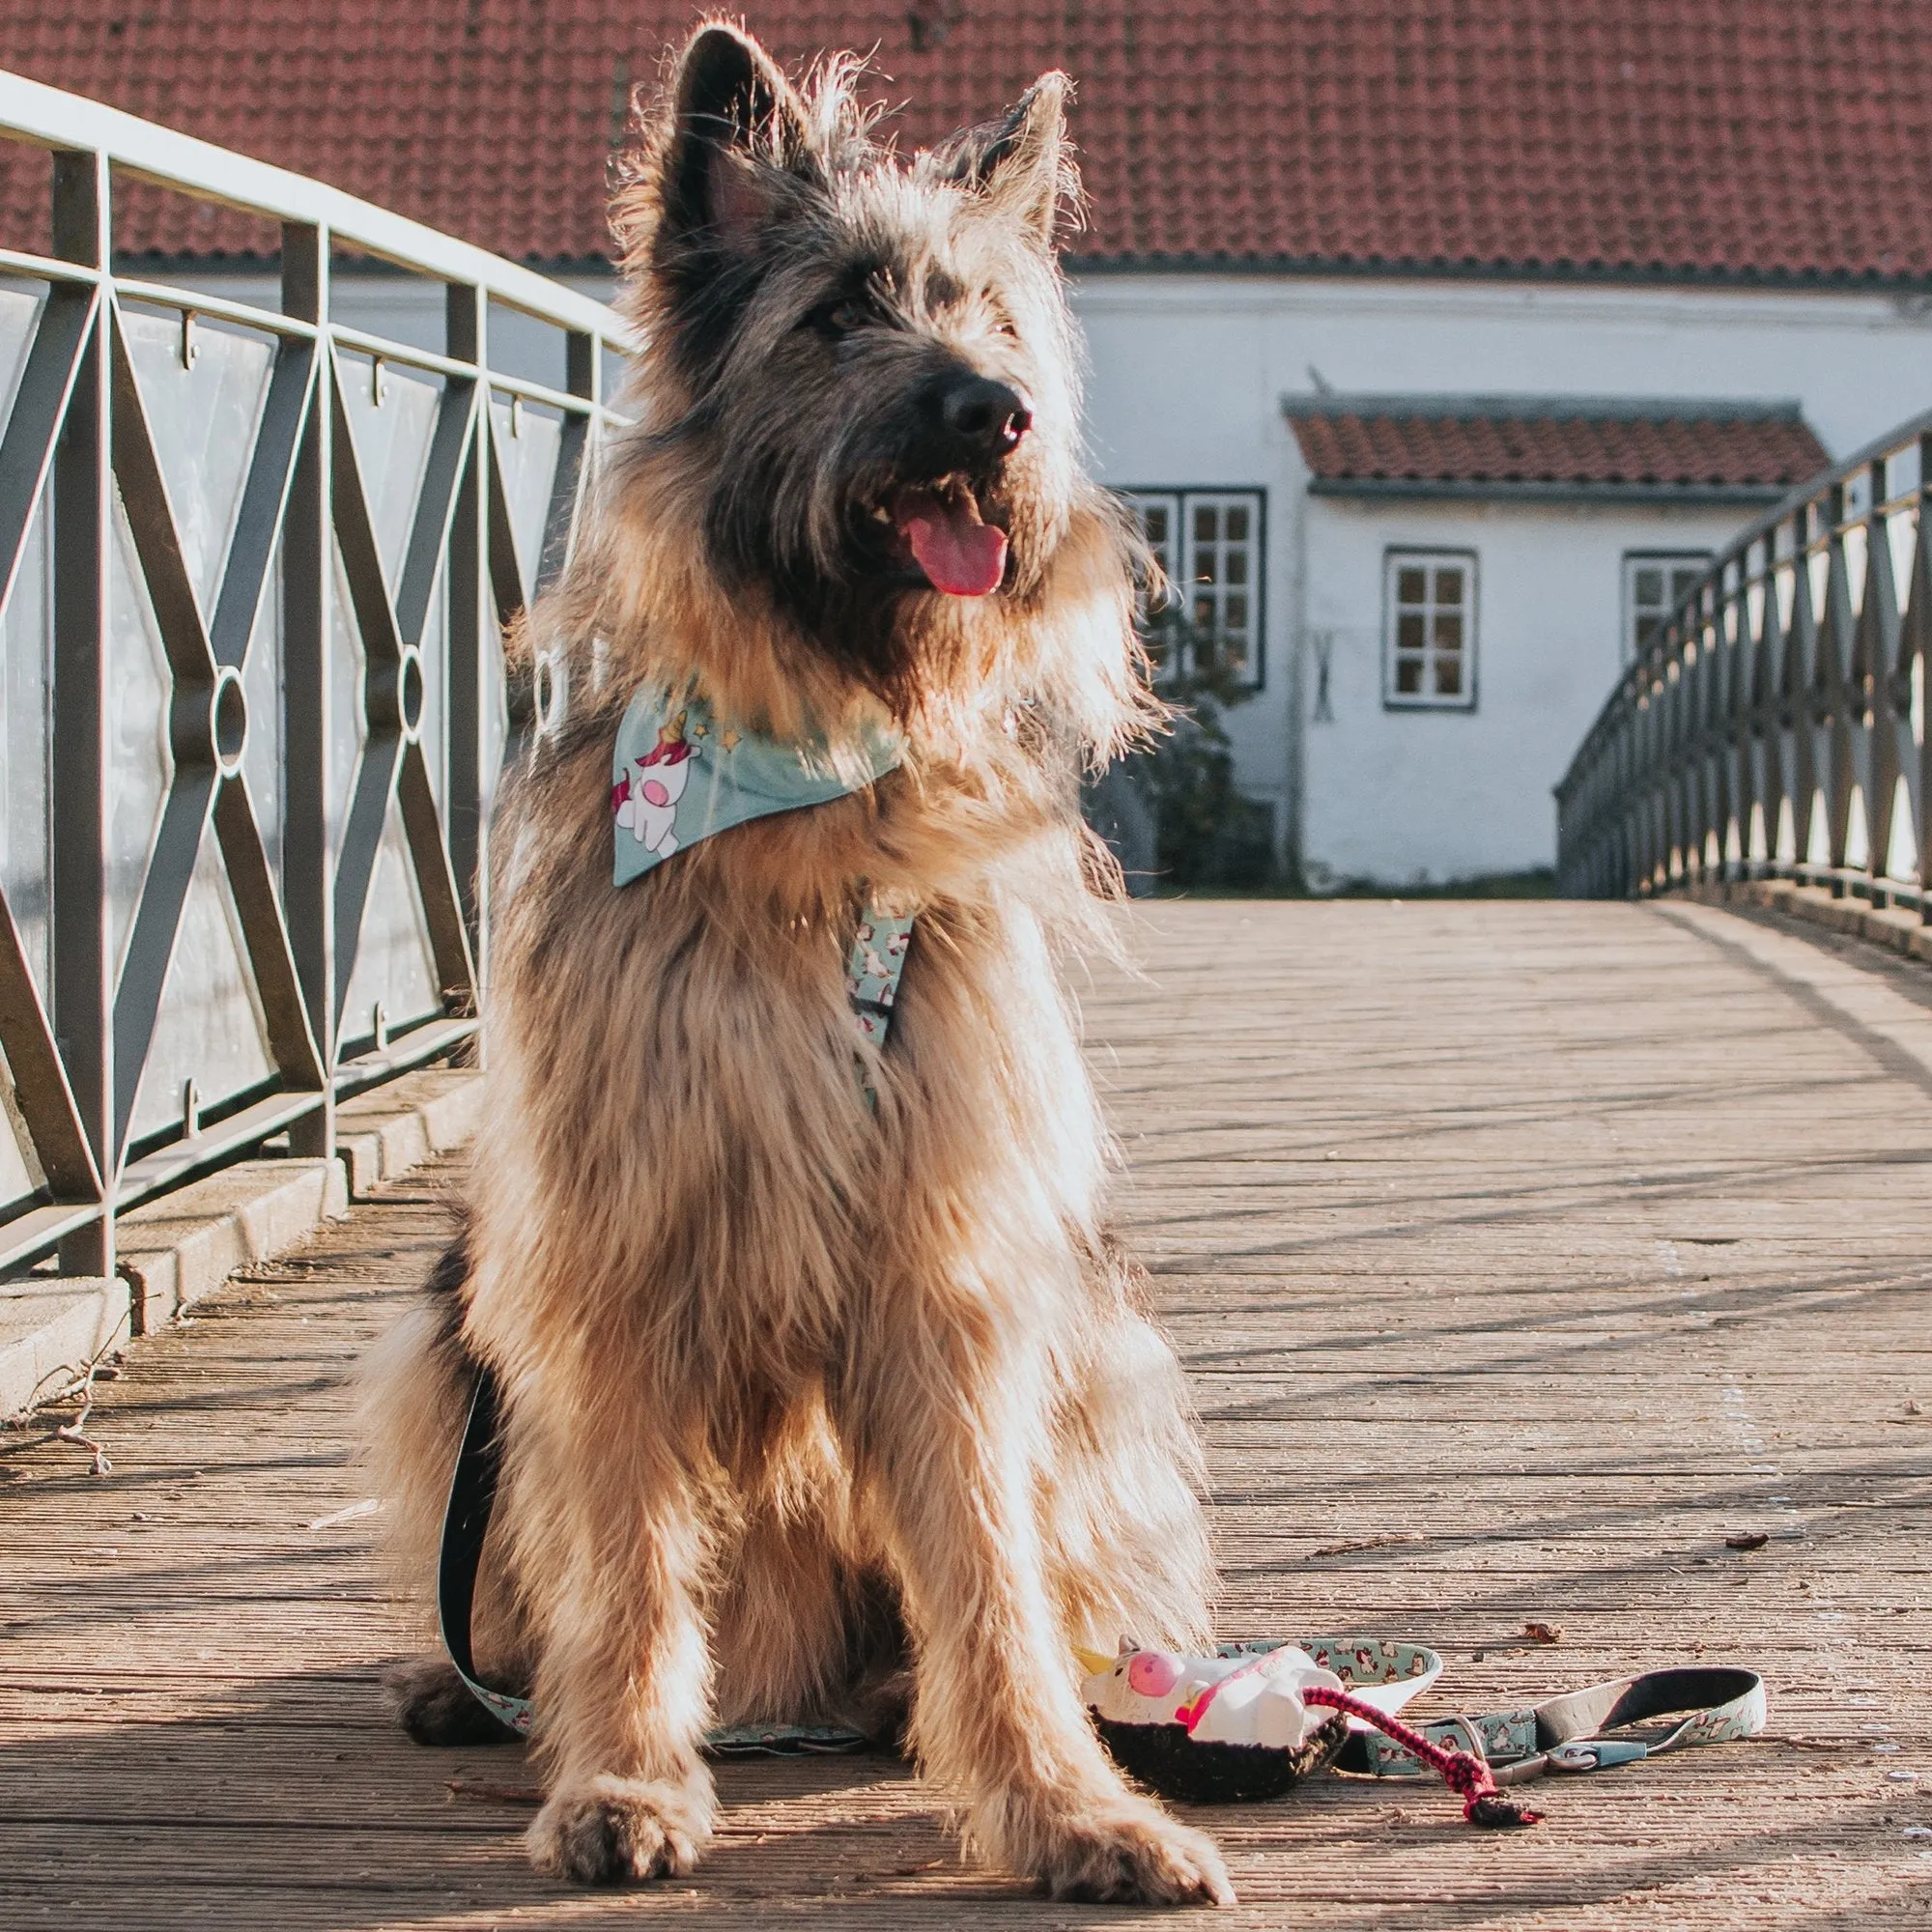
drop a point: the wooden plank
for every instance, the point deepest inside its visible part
(1519, 1254)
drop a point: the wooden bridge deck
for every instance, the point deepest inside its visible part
(1520, 1254)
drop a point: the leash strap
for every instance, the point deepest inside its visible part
(872, 976)
(1711, 1705)
(465, 1520)
(1467, 1774)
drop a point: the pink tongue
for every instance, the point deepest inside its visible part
(963, 557)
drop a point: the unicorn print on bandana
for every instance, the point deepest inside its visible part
(679, 775)
(646, 799)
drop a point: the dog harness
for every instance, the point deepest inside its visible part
(678, 776)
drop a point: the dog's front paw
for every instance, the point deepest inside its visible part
(1131, 1853)
(603, 1831)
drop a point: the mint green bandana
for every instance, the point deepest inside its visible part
(677, 775)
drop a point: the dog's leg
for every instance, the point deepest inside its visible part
(956, 1445)
(435, 1706)
(1126, 1543)
(416, 1388)
(432, 1703)
(876, 1697)
(806, 1629)
(622, 1676)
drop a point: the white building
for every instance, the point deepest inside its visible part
(1409, 325)
(1555, 455)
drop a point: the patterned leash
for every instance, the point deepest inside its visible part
(1692, 1704)
(1467, 1776)
(1572, 1733)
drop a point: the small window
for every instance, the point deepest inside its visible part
(1428, 655)
(1208, 546)
(1655, 584)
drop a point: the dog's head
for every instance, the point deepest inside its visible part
(859, 368)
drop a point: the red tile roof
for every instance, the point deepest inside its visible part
(1682, 138)
(1472, 446)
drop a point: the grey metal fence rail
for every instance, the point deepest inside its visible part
(254, 563)
(1776, 728)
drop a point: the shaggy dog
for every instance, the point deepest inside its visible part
(825, 1396)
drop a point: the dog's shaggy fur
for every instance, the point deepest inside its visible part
(815, 1409)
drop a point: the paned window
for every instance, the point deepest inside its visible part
(1653, 585)
(1429, 651)
(1209, 545)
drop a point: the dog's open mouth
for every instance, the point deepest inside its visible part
(960, 553)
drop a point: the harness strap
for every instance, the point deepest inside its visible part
(874, 970)
(872, 976)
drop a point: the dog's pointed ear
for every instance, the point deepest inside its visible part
(739, 146)
(1020, 161)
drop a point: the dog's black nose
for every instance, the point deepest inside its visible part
(984, 419)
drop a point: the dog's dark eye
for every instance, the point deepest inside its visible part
(1009, 328)
(842, 318)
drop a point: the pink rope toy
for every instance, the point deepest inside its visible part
(1465, 1773)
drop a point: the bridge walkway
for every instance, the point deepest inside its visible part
(1521, 1255)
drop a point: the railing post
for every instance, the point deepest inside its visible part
(1921, 635)
(83, 528)
(473, 617)
(584, 366)
(308, 585)
(1834, 649)
(1730, 726)
(1879, 634)
(1758, 719)
(1802, 648)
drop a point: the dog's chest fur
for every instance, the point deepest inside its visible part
(684, 1063)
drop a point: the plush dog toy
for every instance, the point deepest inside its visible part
(1213, 1729)
(1247, 1724)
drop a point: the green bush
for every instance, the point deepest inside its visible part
(1182, 819)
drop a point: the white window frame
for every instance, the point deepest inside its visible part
(1182, 555)
(1668, 560)
(1395, 561)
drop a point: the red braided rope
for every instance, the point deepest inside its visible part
(1465, 1774)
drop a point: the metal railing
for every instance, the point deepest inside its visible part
(1776, 727)
(255, 562)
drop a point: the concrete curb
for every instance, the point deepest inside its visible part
(50, 1329)
(396, 1126)
(1892, 927)
(182, 1247)
(177, 1249)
